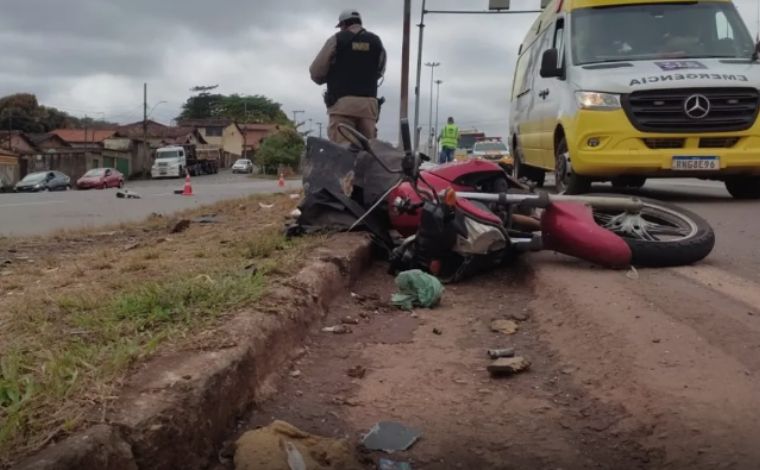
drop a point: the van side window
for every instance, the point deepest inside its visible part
(559, 41)
(723, 27)
(520, 72)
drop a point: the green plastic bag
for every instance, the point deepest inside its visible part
(417, 289)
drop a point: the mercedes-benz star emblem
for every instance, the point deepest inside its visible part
(696, 106)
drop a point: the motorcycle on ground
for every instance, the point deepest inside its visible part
(460, 218)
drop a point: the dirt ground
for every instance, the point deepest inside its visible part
(622, 376)
(438, 383)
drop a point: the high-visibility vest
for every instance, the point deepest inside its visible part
(450, 136)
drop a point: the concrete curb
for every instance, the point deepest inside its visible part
(177, 409)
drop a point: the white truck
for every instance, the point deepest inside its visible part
(175, 161)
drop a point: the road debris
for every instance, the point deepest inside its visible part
(282, 446)
(337, 329)
(656, 340)
(294, 196)
(417, 288)
(508, 327)
(266, 206)
(508, 366)
(521, 315)
(437, 331)
(349, 320)
(126, 194)
(206, 219)
(179, 226)
(357, 372)
(504, 352)
(295, 459)
(385, 464)
(251, 269)
(390, 436)
(295, 374)
(632, 274)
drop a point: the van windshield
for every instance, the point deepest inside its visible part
(659, 31)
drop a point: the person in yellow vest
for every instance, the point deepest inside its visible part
(449, 140)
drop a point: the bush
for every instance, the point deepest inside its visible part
(281, 149)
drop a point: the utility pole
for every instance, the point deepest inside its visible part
(416, 129)
(320, 129)
(437, 100)
(295, 116)
(311, 126)
(10, 128)
(145, 125)
(404, 107)
(432, 66)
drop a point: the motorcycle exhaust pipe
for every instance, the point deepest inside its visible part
(544, 199)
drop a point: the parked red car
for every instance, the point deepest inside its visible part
(101, 178)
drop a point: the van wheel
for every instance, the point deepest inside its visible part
(629, 182)
(521, 170)
(566, 181)
(743, 187)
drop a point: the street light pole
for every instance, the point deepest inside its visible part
(432, 66)
(320, 129)
(416, 128)
(437, 99)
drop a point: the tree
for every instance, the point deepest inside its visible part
(239, 108)
(22, 112)
(283, 148)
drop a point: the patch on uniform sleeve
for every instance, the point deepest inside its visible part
(360, 46)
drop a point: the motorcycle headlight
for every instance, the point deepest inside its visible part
(597, 100)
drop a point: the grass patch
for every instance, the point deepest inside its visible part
(71, 339)
(265, 243)
(99, 340)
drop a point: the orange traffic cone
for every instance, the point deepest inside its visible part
(188, 190)
(281, 181)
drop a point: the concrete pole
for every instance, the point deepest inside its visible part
(417, 82)
(432, 66)
(437, 100)
(404, 105)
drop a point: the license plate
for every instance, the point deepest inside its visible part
(696, 163)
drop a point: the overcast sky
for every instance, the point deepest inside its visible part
(90, 57)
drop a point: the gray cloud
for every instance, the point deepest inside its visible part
(92, 56)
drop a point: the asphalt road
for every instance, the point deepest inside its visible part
(44, 213)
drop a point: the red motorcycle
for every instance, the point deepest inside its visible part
(459, 218)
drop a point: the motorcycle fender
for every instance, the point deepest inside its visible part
(569, 228)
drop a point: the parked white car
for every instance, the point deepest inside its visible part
(242, 165)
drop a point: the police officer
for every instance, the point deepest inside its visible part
(449, 139)
(351, 63)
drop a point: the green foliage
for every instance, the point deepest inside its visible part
(283, 148)
(240, 108)
(22, 112)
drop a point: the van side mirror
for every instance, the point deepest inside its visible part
(550, 64)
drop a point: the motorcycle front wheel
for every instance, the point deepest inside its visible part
(661, 234)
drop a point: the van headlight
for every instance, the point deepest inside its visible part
(597, 100)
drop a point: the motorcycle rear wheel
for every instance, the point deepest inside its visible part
(661, 235)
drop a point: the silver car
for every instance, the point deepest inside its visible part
(242, 165)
